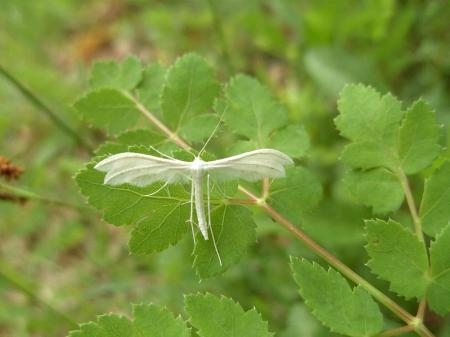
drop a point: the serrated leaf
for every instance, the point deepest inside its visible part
(149, 320)
(190, 89)
(434, 208)
(439, 291)
(109, 109)
(377, 188)
(234, 231)
(334, 303)
(222, 317)
(397, 256)
(418, 138)
(296, 194)
(110, 74)
(251, 110)
(151, 86)
(199, 127)
(153, 321)
(293, 140)
(382, 135)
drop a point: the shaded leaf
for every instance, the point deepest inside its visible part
(293, 140)
(190, 89)
(434, 208)
(251, 110)
(110, 74)
(150, 89)
(234, 231)
(418, 138)
(397, 256)
(439, 291)
(109, 109)
(296, 194)
(377, 188)
(222, 317)
(344, 310)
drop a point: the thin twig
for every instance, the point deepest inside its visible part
(41, 106)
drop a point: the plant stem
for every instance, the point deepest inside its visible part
(15, 279)
(28, 195)
(41, 106)
(396, 331)
(411, 204)
(405, 316)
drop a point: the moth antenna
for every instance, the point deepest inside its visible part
(192, 213)
(162, 154)
(158, 190)
(212, 134)
(209, 220)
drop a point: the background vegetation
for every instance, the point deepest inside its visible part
(59, 264)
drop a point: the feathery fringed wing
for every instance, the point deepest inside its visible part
(141, 169)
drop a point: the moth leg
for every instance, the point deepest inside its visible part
(192, 212)
(209, 219)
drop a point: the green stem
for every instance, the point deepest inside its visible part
(41, 106)
(28, 195)
(17, 281)
(396, 331)
(411, 204)
(218, 27)
(405, 316)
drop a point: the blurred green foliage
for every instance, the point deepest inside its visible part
(59, 258)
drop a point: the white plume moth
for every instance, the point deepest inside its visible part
(141, 170)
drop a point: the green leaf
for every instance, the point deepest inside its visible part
(251, 110)
(434, 209)
(418, 138)
(199, 127)
(234, 231)
(150, 89)
(109, 109)
(109, 74)
(160, 218)
(190, 89)
(149, 320)
(153, 321)
(439, 291)
(397, 256)
(334, 303)
(381, 135)
(222, 317)
(292, 140)
(296, 194)
(377, 188)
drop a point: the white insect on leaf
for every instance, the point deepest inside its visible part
(141, 170)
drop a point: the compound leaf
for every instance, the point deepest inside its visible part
(296, 194)
(190, 89)
(377, 188)
(351, 312)
(439, 291)
(397, 256)
(292, 140)
(151, 86)
(149, 320)
(110, 74)
(108, 108)
(418, 138)
(234, 231)
(434, 209)
(222, 317)
(251, 110)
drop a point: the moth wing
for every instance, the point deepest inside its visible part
(251, 166)
(140, 169)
